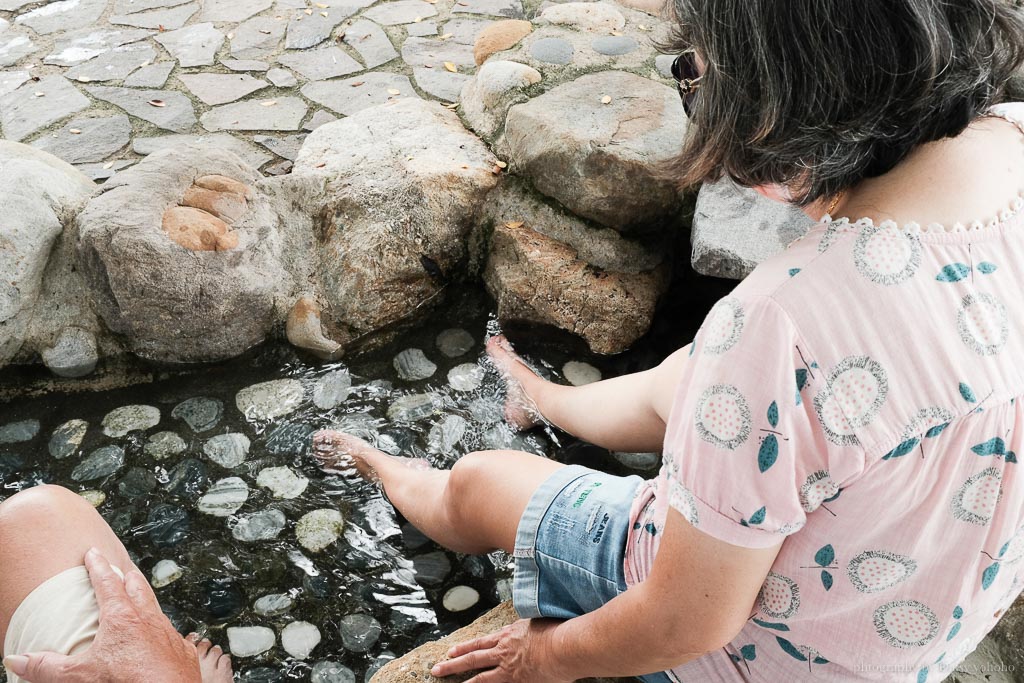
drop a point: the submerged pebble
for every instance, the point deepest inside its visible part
(411, 408)
(224, 498)
(136, 482)
(267, 400)
(331, 672)
(446, 434)
(413, 365)
(332, 389)
(187, 478)
(359, 632)
(166, 572)
(120, 421)
(227, 450)
(460, 598)
(95, 498)
(249, 641)
(638, 461)
(67, 438)
(282, 482)
(455, 342)
(102, 462)
(19, 432)
(432, 568)
(264, 525)
(273, 605)
(299, 638)
(200, 413)
(579, 373)
(168, 525)
(164, 445)
(318, 529)
(466, 377)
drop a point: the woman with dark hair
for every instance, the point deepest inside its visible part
(841, 497)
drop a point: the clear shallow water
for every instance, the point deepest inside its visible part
(380, 566)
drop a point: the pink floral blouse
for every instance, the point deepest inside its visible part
(856, 396)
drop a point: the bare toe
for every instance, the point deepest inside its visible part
(520, 410)
(214, 665)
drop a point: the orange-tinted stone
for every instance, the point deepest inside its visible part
(227, 206)
(198, 230)
(501, 35)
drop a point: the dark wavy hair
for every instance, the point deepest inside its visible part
(819, 94)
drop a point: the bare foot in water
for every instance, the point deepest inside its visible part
(341, 452)
(214, 665)
(520, 410)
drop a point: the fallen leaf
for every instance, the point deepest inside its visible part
(145, 63)
(268, 103)
(264, 31)
(323, 14)
(451, 105)
(109, 164)
(308, 11)
(322, 5)
(447, 36)
(501, 164)
(231, 36)
(514, 224)
(75, 131)
(417, 20)
(616, 33)
(606, 99)
(160, 28)
(393, 91)
(40, 94)
(358, 83)
(83, 79)
(321, 164)
(451, 67)
(157, 103)
(465, 166)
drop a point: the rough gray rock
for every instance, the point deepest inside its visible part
(176, 114)
(58, 16)
(73, 354)
(406, 181)
(497, 86)
(75, 47)
(40, 193)
(282, 113)
(150, 76)
(256, 38)
(14, 44)
(370, 41)
(37, 104)
(167, 19)
(588, 145)
(250, 154)
(321, 64)
(177, 299)
(193, 45)
(84, 140)
(113, 65)
(735, 228)
(216, 89)
(359, 92)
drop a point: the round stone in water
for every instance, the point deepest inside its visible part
(411, 408)
(120, 421)
(413, 365)
(67, 438)
(136, 482)
(432, 568)
(103, 462)
(579, 373)
(460, 598)
(264, 525)
(163, 445)
(166, 572)
(95, 498)
(614, 46)
(454, 342)
(267, 400)
(224, 498)
(19, 432)
(200, 413)
(359, 632)
(331, 672)
(332, 389)
(446, 434)
(282, 482)
(249, 641)
(466, 377)
(273, 605)
(168, 525)
(318, 529)
(227, 450)
(638, 461)
(299, 638)
(552, 51)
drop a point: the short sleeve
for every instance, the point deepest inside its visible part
(746, 454)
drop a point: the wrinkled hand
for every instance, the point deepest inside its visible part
(519, 653)
(134, 642)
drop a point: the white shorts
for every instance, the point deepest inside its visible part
(60, 615)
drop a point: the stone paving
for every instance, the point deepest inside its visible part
(102, 83)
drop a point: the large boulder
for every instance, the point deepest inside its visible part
(735, 228)
(40, 195)
(595, 143)
(404, 184)
(181, 253)
(416, 665)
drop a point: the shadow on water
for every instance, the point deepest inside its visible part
(381, 566)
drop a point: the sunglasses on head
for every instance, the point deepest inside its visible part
(687, 75)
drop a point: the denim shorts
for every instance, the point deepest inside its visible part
(571, 545)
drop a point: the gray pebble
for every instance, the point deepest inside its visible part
(552, 51)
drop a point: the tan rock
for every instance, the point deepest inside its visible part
(587, 16)
(415, 666)
(537, 279)
(501, 35)
(198, 230)
(655, 7)
(227, 206)
(304, 330)
(220, 183)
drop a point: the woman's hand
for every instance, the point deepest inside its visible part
(522, 652)
(134, 642)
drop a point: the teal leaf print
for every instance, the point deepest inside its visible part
(735, 658)
(820, 660)
(651, 529)
(995, 446)
(967, 393)
(953, 631)
(1002, 551)
(936, 430)
(986, 267)
(768, 453)
(773, 414)
(788, 648)
(772, 626)
(757, 517)
(922, 675)
(901, 450)
(954, 272)
(1010, 456)
(958, 611)
(692, 347)
(826, 579)
(825, 556)
(801, 379)
(793, 271)
(989, 575)
(749, 652)
(829, 500)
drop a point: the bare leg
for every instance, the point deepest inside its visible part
(46, 530)
(625, 413)
(474, 508)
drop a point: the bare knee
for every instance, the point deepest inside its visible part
(39, 502)
(464, 481)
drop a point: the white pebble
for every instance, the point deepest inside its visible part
(120, 421)
(273, 605)
(227, 450)
(166, 572)
(163, 445)
(579, 373)
(466, 377)
(318, 529)
(224, 498)
(460, 598)
(299, 638)
(332, 389)
(638, 461)
(249, 641)
(454, 342)
(413, 365)
(268, 400)
(282, 482)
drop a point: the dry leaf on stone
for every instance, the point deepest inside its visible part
(447, 36)
(40, 94)
(264, 31)
(606, 99)
(451, 67)
(157, 103)
(322, 5)
(358, 83)
(231, 36)
(268, 103)
(75, 131)
(417, 20)
(501, 164)
(109, 164)
(394, 91)
(514, 224)
(323, 14)
(308, 11)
